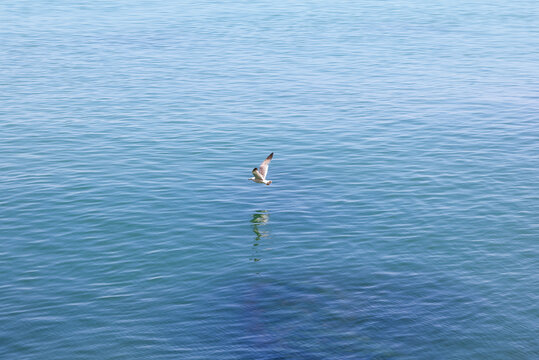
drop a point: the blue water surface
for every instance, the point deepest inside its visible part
(402, 221)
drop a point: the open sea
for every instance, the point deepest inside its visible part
(403, 217)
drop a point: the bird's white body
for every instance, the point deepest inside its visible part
(266, 182)
(260, 174)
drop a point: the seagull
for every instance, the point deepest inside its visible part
(262, 171)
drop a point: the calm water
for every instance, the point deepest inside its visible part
(402, 222)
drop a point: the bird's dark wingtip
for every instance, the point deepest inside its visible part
(255, 169)
(270, 156)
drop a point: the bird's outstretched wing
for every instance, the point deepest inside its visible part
(257, 174)
(263, 168)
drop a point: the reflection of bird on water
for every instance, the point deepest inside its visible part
(260, 218)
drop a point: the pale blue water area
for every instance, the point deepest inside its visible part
(402, 222)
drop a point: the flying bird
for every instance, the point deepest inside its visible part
(261, 172)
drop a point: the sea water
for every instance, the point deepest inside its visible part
(402, 221)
